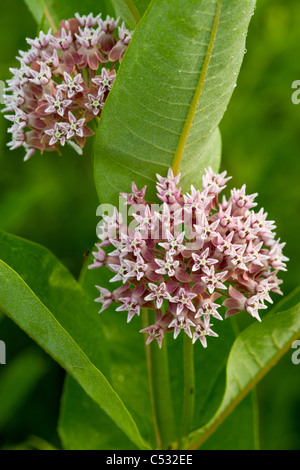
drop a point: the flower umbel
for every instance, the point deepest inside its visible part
(63, 82)
(195, 256)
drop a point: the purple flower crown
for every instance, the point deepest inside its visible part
(189, 258)
(60, 87)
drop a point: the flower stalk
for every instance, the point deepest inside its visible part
(160, 392)
(188, 390)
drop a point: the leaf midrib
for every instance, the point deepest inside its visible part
(190, 117)
(133, 10)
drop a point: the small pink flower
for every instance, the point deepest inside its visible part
(87, 20)
(205, 230)
(136, 196)
(156, 331)
(183, 300)
(167, 267)
(95, 102)
(174, 245)
(57, 104)
(254, 304)
(57, 134)
(241, 200)
(63, 40)
(201, 330)
(42, 41)
(213, 182)
(119, 49)
(105, 80)
(158, 293)
(105, 298)
(99, 257)
(43, 76)
(146, 220)
(207, 306)
(201, 261)
(74, 126)
(71, 85)
(212, 279)
(184, 323)
(197, 201)
(277, 259)
(130, 304)
(136, 269)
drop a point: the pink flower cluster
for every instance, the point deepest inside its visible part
(190, 257)
(63, 82)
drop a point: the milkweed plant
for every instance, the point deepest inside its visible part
(178, 258)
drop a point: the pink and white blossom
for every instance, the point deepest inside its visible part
(63, 73)
(205, 257)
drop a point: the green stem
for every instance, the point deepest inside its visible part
(145, 320)
(160, 392)
(189, 389)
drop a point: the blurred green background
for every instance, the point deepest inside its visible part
(52, 200)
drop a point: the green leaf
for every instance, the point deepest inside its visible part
(54, 11)
(59, 292)
(37, 443)
(130, 11)
(172, 90)
(255, 351)
(36, 8)
(32, 443)
(239, 431)
(18, 380)
(128, 376)
(61, 335)
(84, 426)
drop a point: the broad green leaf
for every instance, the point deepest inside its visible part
(239, 431)
(172, 90)
(130, 11)
(128, 376)
(84, 426)
(19, 302)
(59, 292)
(255, 351)
(51, 12)
(32, 443)
(36, 8)
(18, 380)
(61, 335)
(37, 443)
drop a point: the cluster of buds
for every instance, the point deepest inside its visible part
(63, 82)
(190, 256)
